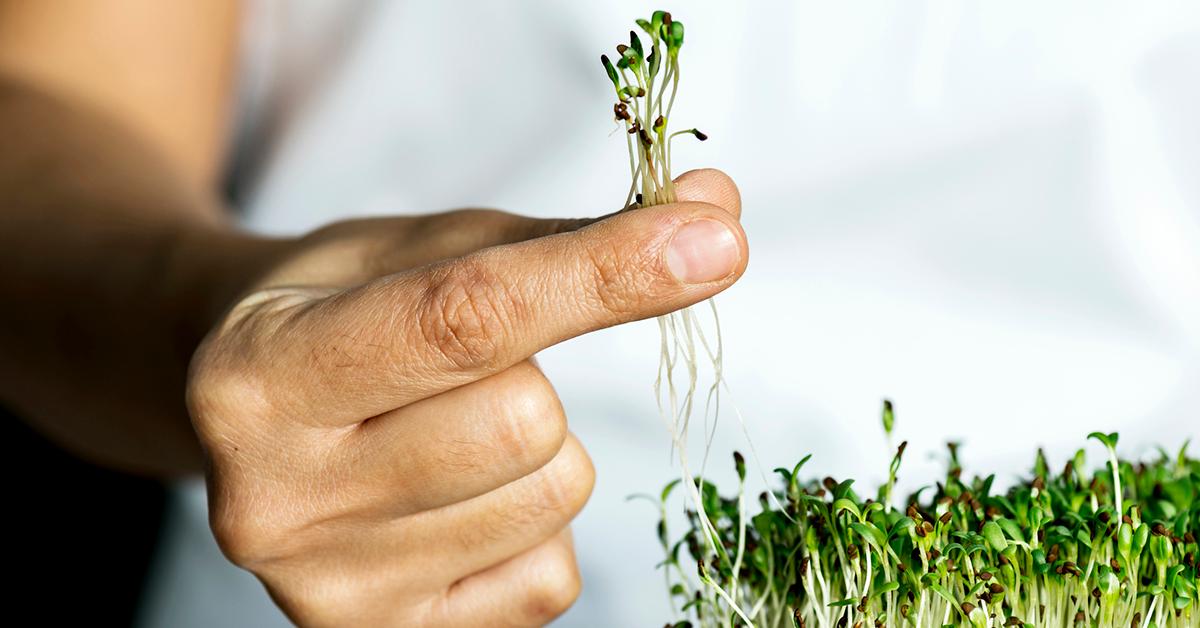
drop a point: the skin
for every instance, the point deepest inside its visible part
(379, 445)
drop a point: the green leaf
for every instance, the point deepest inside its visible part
(846, 602)
(612, 72)
(872, 534)
(940, 590)
(666, 492)
(796, 469)
(1011, 528)
(842, 490)
(902, 525)
(885, 588)
(994, 536)
(889, 417)
(677, 34)
(785, 474)
(1109, 440)
(845, 504)
(655, 60)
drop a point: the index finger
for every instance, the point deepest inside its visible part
(414, 334)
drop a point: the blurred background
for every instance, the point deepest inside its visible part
(986, 212)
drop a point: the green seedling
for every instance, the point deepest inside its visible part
(645, 81)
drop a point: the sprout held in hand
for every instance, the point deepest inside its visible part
(645, 79)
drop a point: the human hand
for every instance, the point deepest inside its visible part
(382, 450)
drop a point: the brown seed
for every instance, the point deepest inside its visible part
(996, 588)
(967, 607)
(1159, 529)
(1116, 567)
(1079, 616)
(945, 518)
(985, 576)
(1126, 519)
(1096, 593)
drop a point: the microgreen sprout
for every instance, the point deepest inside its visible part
(645, 80)
(640, 79)
(1076, 548)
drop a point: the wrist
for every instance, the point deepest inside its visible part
(210, 268)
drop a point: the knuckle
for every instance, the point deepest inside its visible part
(554, 588)
(612, 288)
(246, 538)
(533, 425)
(326, 599)
(568, 480)
(221, 392)
(464, 314)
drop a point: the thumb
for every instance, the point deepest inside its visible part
(447, 324)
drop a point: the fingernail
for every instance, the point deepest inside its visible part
(702, 251)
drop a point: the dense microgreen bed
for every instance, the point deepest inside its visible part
(1062, 547)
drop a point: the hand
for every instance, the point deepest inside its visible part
(381, 448)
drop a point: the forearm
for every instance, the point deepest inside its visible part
(112, 268)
